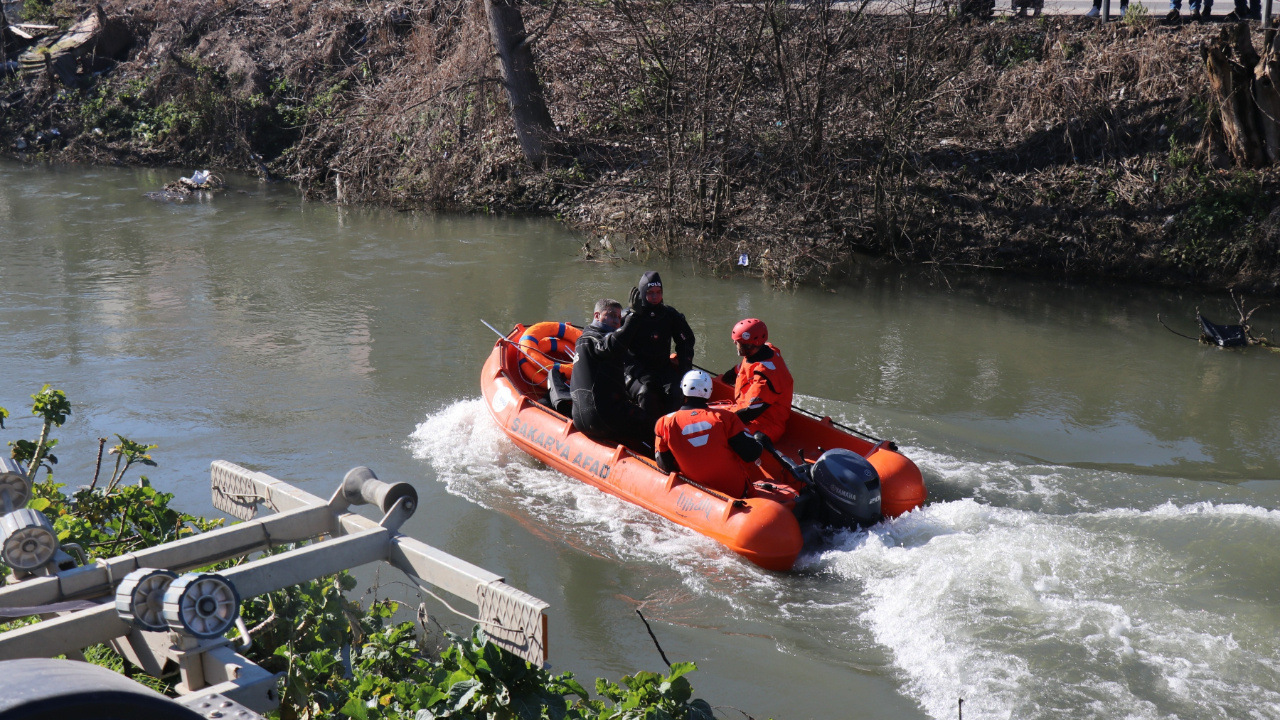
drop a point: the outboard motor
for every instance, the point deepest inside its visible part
(848, 488)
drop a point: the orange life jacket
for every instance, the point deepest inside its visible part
(767, 381)
(699, 440)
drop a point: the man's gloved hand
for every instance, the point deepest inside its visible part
(730, 376)
(637, 300)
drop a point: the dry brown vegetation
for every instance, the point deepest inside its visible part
(802, 136)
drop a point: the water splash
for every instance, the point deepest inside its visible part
(1027, 615)
(474, 459)
(1015, 589)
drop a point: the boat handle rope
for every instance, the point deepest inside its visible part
(521, 348)
(737, 502)
(891, 445)
(523, 631)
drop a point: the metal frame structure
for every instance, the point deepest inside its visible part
(214, 676)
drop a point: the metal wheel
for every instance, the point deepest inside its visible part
(27, 540)
(201, 605)
(140, 598)
(15, 483)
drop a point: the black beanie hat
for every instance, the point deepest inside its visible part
(650, 277)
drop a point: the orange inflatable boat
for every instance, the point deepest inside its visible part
(762, 527)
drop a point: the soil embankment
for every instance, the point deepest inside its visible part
(797, 137)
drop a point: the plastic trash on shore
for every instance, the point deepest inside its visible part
(199, 177)
(743, 260)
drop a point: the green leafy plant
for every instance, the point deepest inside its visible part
(52, 407)
(131, 453)
(1136, 15)
(105, 525)
(1180, 155)
(339, 659)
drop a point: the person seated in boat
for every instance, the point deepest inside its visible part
(762, 384)
(652, 378)
(710, 445)
(601, 407)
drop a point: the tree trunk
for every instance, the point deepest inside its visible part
(529, 113)
(1266, 92)
(1243, 87)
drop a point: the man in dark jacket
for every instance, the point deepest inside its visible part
(601, 406)
(652, 379)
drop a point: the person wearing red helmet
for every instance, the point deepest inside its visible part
(710, 445)
(762, 384)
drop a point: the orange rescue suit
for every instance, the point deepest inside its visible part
(699, 440)
(766, 381)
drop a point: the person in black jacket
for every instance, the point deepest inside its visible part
(652, 379)
(601, 407)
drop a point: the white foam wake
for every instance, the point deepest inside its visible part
(1028, 602)
(1026, 615)
(474, 459)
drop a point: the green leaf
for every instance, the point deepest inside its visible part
(574, 686)
(679, 690)
(461, 693)
(355, 708)
(528, 708)
(700, 710)
(52, 405)
(429, 695)
(682, 668)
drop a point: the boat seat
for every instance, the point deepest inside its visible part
(559, 397)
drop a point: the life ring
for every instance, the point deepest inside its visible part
(547, 344)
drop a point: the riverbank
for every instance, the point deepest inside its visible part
(792, 141)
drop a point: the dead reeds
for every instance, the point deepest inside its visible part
(796, 135)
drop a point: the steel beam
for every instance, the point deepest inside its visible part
(515, 620)
(90, 581)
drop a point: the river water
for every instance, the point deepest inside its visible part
(1103, 533)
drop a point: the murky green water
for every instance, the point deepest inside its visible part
(1104, 529)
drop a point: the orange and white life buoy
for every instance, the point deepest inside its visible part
(547, 344)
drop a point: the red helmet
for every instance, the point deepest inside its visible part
(750, 332)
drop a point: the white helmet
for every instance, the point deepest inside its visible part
(696, 383)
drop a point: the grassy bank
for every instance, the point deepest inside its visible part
(800, 137)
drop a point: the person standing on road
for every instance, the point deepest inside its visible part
(1245, 10)
(1201, 11)
(1096, 10)
(709, 445)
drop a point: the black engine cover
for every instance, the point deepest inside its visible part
(849, 489)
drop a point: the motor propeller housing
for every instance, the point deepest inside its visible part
(848, 488)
